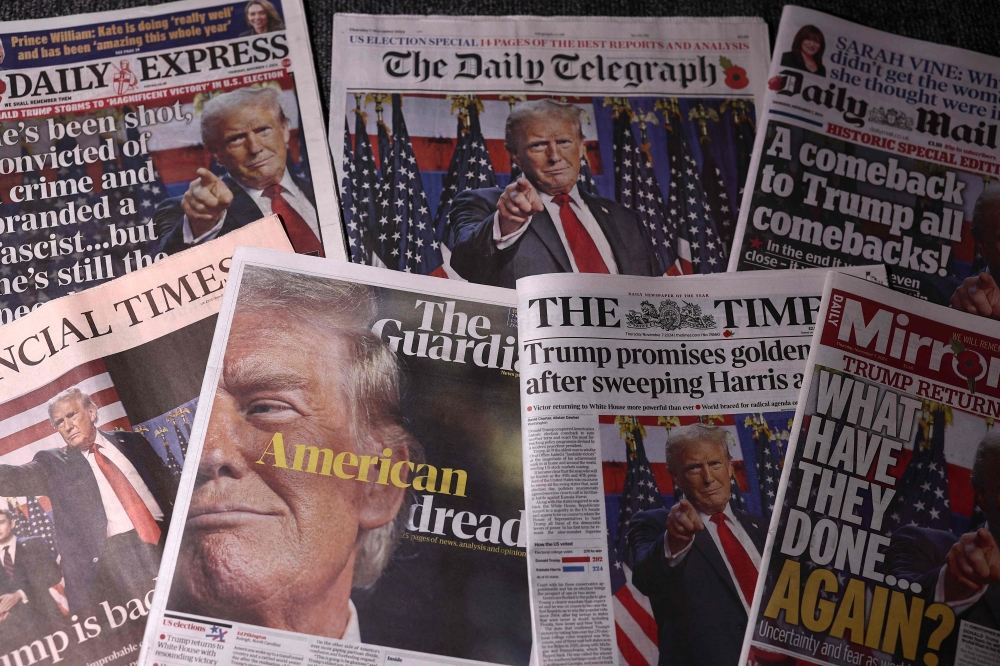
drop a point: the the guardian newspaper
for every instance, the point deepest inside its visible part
(123, 139)
(98, 392)
(876, 148)
(354, 494)
(432, 118)
(655, 424)
(884, 548)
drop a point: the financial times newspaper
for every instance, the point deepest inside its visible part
(654, 118)
(876, 148)
(884, 548)
(650, 409)
(354, 494)
(124, 138)
(98, 392)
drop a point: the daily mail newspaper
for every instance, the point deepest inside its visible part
(127, 136)
(650, 409)
(456, 139)
(877, 149)
(884, 550)
(97, 395)
(354, 494)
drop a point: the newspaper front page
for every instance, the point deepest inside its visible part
(876, 148)
(127, 136)
(648, 406)
(646, 124)
(355, 488)
(97, 395)
(884, 550)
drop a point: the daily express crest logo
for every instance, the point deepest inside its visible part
(669, 316)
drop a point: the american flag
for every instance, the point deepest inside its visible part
(922, 497)
(717, 201)
(741, 112)
(413, 246)
(635, 626)
(636, 186)
(470, 168)
(182, 439)
(768, 463)
(359, 193)
(36, 523)
(145, 195)
(698, 248)
(348, 209)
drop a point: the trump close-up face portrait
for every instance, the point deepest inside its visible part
(271, 538)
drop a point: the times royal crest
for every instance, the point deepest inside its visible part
(669, 316)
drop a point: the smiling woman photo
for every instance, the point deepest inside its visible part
(807, 51)
(261, 17)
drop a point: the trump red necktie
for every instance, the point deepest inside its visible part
(585, 253)
(138, 513)
(739, 560)
(303, 239)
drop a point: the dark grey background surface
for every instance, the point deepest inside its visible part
(969, 24)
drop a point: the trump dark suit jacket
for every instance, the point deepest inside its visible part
(35, 571)
(917, 554)
(81, 525)
(476, 258)
(698, 611)
(168, 218)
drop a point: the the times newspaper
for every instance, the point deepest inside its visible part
(647, 125)
(875, 148)
(97, 395)
(354, 494)
(884, 549)
(649, 406)
(127, 136)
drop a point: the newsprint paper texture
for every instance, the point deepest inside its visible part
(884, 548)
(622, 381)
(654, 117)
(123, 138)
(875, 148)
(81, 530)
(354, 494)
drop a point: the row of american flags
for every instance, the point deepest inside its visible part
(934, 489)
(679, 164)
(25, 430)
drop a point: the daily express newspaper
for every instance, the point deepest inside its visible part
(456, 137)
(649, 407)
(354, 494)
(127, 136)
(884, 551)
(97, 395)
(876, 149)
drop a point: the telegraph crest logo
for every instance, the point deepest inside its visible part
(124, 78)
(669, 316)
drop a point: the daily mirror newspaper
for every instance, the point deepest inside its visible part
(627, 141)
(127, 136)
(97, 395)
(884, 550)
(650, 409)
(876, 149)
(354, 494)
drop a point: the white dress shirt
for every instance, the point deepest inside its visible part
(290, 193)
(583, 214)
(352, 632)
(118, 520)
(11, 547)
(961, 605)
(713, 529)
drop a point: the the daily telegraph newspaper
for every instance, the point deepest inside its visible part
(650, 409)
(355, 489)
(876, 149)
(646, 125)
(884, 551)
(130, 135)
(97, 395)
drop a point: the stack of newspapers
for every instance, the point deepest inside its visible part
(563, 342)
